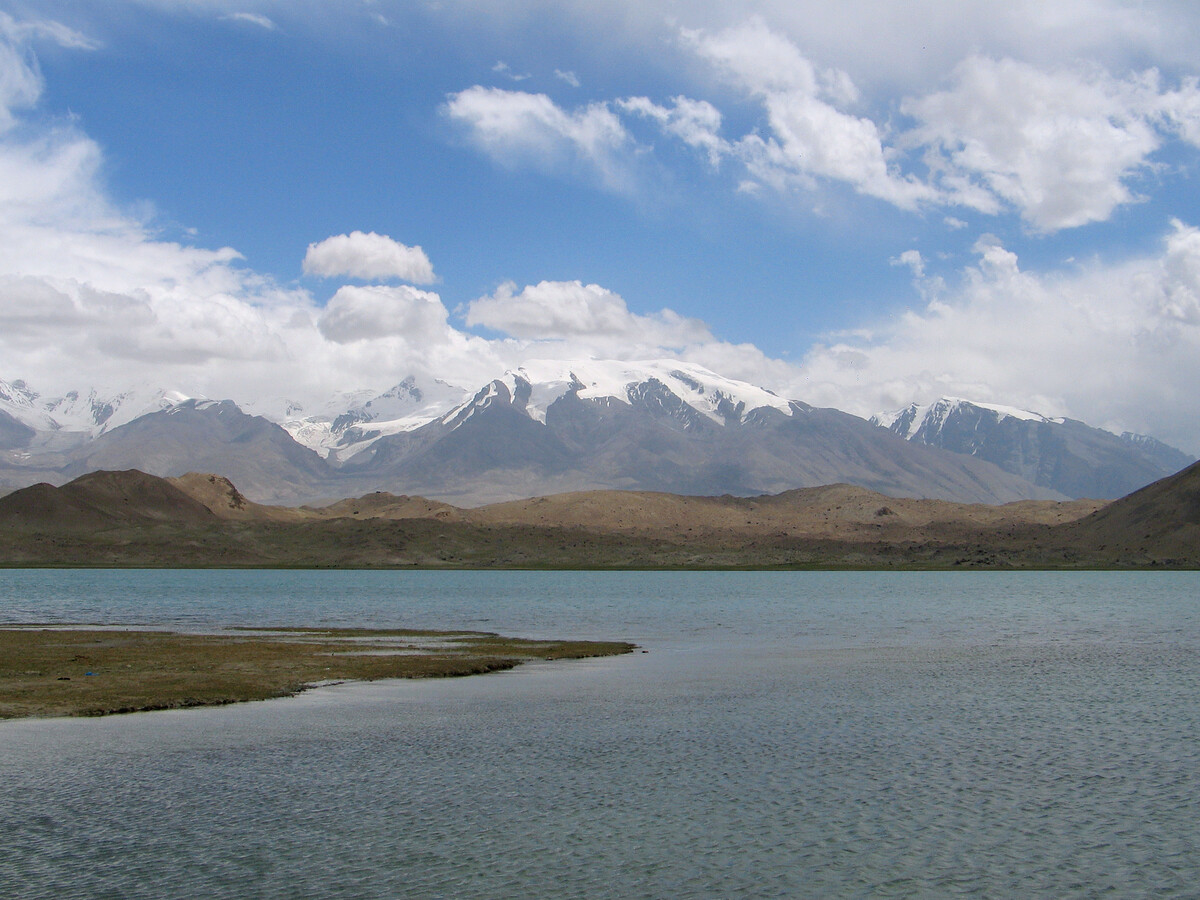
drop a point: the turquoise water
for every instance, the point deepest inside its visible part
(785, 735)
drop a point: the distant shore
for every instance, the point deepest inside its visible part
(95, 671)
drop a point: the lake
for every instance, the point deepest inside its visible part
(785, 735)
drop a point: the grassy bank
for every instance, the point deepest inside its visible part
(89, 671)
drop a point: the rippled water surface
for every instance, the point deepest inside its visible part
(785, 735)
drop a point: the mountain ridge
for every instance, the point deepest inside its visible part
(546, 427)
(1060, 453)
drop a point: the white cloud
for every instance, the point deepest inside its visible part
(517, 128)
(20, 84)
(44, 29)
(90, 295)
(583, 314)
(370, 256)
(253, 19)
(901, 47)
(20, 81)
(809, 137)
(1057, 146)
(695, 122)
(1114, 345)
(912, 259)
(376, 311)
(571, 320)
(569, 77)
(502, 68)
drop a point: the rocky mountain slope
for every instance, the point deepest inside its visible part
(1064, 455)
(654, 440)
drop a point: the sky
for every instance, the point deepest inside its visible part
(858, 205)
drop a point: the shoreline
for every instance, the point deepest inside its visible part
(96, 670)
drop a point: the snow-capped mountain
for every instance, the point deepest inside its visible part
(662, 425)
(338, 432)
(538, 384)
(77, 415)
(1064, 454)
(916, 421)
(555, 425)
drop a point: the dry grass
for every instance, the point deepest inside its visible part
(89, 671)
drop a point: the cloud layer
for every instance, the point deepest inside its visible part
(1061, 146)
(1116, 345)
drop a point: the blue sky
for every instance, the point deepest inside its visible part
(857, 207)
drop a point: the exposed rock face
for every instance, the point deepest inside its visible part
(1065, 455)
(205, 436)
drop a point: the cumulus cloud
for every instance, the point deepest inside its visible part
(809, 137)
(572, 320)
(1115, 345)
(582, 314)
(90, 295)
(376, 311)
(369, 256)
(517, 128)
(1057, 146)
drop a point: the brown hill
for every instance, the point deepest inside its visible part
(218, 494)
(382, 505)
(835, 512)
(102, 499)
(839, 511)
(130, 518)
(1159, 522)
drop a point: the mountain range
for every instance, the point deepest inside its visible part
(555, 426)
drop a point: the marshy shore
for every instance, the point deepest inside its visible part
(89, 670)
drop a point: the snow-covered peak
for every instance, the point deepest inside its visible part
(721, 399)
(92, 413)
(931, 417)
(17, 394)
(350, 421)
(412, 401)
